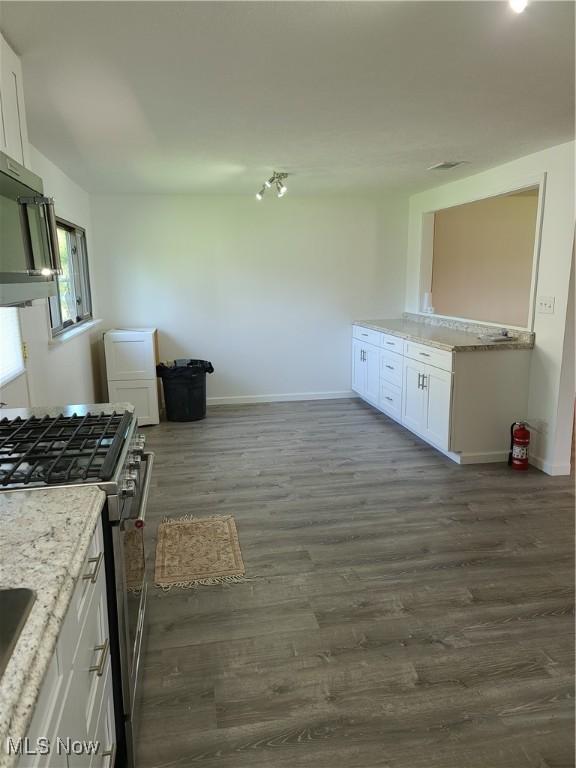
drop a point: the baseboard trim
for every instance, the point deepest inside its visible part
(548, 467)
(288, 398)
(486, 457)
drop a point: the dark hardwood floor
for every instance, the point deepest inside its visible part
(403, 612)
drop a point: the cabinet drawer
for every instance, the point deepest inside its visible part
(391, 366)
(391, 400)
(430, 355)
(393, 343)
(90, 581)
(46, 711)
(367, 335)
(86, 688)
(103, 731)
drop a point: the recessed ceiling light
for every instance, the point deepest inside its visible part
(518, 5)
(447, 165)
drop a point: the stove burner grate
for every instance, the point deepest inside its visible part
(52, 450)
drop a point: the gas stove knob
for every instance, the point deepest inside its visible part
(132, 474)
(134, 460)
(127, 488)
(138, 444)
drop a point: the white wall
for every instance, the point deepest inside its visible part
(60, 373)
(267, 291)
(551, 398)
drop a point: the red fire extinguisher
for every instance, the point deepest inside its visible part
(519, 442)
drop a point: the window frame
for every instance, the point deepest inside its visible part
(80, 275)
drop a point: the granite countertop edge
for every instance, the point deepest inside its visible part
(447, 347)
(22, 679)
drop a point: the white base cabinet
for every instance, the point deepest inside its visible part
(366, 370)
(76, 700)
(427, 402)
(131, 357)
(461, 403)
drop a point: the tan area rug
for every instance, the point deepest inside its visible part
(198, 551)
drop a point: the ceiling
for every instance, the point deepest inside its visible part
(210, 97)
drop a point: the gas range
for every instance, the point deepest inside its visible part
(95, 445)
(78, 446)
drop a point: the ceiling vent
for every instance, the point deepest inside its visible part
(447, 165)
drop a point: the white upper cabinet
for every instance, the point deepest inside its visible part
(13, 130)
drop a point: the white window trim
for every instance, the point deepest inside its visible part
(61, 332)
(70, 333)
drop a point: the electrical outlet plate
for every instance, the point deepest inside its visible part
(545, 305)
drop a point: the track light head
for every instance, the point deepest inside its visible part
(277, 180)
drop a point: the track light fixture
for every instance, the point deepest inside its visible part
(276, 180)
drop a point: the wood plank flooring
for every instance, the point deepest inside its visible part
(404, 612)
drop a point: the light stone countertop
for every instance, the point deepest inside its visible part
(441, 337)
(44, 537)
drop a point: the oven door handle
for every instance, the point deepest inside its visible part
(148, 456)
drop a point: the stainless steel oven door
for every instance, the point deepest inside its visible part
(133, 553)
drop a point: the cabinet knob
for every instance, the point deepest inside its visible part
(127, 488)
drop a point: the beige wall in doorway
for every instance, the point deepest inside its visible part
(483, 254)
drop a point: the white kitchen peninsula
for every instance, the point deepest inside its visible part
(446, 381)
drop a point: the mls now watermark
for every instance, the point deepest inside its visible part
(45, 746)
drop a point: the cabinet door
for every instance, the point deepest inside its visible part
(372, 366)
(130, 354)
(104, 731)
(358, 368)
(87, 680)
(142, 394)
(13, 133)
(438, 396)
(413, 396)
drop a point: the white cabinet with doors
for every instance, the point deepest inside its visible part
(366, 364)
(13, 130)
(413, 396)
(131, 358)
(427, 395)
(76, 699)
(461, 402)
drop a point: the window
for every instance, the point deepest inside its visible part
(11, 354)
(72, 304)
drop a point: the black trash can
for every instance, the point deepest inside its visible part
(184, 385)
